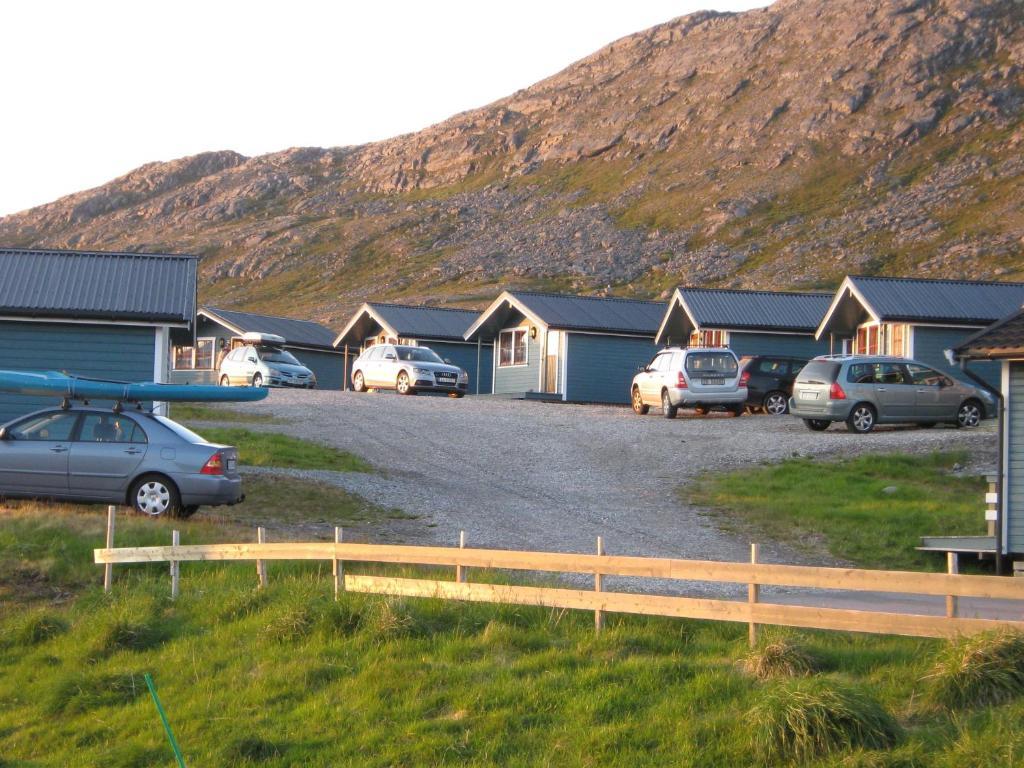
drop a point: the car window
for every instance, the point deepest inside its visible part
(418, 355)
(661, 362)
(772, 367)
(859, 373)
(820, 372)
(711, 362)
(184, 433)
(388, 352)
(275, 355)
(676, 362)
(236, 354)
(109, 428)
(928, 377)
(890, 373)
(55, 425)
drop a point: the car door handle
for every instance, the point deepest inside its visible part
(132, 451)
(58, 449)
(881, 389)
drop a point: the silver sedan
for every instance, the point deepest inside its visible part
(99, 456)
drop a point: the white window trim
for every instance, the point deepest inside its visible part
(213, 344)
(885, 338)
(513, 331)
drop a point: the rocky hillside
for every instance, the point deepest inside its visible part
(781, 147)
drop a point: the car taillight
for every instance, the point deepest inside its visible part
(744, 378)
(214, 466)
(680, 381)
(835, 392)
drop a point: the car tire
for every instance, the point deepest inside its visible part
(257, 380)
(862, 419)
(776, 403)
(225, 381)
(358, 383)
(668, 410)
(402, 384)
(700, 410)
(817, 425)
(969, 414)
(155, 496)
(637, 400)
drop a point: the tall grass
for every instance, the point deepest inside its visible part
(986, 668)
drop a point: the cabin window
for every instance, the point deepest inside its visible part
(512, 348)
(717, 338)
(882, 339)
(197, 358)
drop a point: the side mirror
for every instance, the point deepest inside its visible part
(449, 362)
(390, 357)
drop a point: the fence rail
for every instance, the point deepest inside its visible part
(754, 611)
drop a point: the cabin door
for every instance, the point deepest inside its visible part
(552, 379)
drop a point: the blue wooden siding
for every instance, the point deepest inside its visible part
(930, 343)
(1015, 460)
(789, 345)
(464, 356)
(103, 351)
(328, 367)
(600, 369)
(521, 378)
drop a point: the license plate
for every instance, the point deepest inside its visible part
(231, 465)
(712, 382)
(446, 376)
(809, 394)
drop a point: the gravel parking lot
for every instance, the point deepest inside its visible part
(517, 474)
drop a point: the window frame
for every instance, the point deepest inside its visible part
(194, 348)
(510, 333)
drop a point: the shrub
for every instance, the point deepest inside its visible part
(808, 717)
(37, 628)
(987, 668)
(781, 658)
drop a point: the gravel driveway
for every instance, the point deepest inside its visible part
(531, 475)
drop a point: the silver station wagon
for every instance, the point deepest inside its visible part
(407, 370)
(98, 456)
(694, 377)
(867, 390)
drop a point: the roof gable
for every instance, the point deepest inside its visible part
(1001, 340)
(303, 333)
(406, 321)
(140, 287)
(938, 301)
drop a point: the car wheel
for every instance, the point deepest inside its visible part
(358, 385)
(776, 404)
(701, 410)
(225, 381)
(969, 414)
(403, 384)
(667, 409)
(638, 402)
(817, 425)
(156, 496)
(257, 380)
(861, 419)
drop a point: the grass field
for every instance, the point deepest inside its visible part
(287, 676)
(186, 412)
(844, 505)
(271, 449)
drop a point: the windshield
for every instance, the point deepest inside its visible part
(818, 372)
(185, 434)
(711, 362)
(272, 355)
(418, 355)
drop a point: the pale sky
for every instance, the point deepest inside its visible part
(94, 89)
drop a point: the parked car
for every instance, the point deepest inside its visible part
(407, 370)
(100, 456)
(769, 380)
(264, 363)
(867, 390)
(701, 378)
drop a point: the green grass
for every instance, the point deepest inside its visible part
(287, 676)
(196, 412)
(842, 505)
(271, 449)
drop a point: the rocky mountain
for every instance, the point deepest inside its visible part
(781, 147)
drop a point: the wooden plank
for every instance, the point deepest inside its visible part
(681, 607)
(108, 569)
(906, 582)
(599, 587)
(753, 592)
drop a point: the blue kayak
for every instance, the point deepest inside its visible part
(55, 384)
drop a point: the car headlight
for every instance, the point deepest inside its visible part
(463, 376)
(421, 371)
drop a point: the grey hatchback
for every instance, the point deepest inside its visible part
(867, 390)
(100, 456)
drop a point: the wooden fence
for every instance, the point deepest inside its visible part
(754, 611)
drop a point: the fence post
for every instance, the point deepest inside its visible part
(460, 571)
(175, 565)
(108, 569)
(953, 567)
(339, 569)
(752, 595)
(261, 566)
(599, 587)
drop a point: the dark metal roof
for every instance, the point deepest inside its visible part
(417, 322)
(761, 310)
(593, 313)
(303, 333)
(147, 287)
(967, 302)
(1003, 339)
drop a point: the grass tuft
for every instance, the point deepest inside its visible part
(806, 718)
(250, 748)
(294, 623)
(780, 658)
(80, 692)
(975, 671)
(388, 619)
(37, 627)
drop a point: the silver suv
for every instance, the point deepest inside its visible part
(867, 390)
(407, 370)
(698, 377)
(262, 365)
